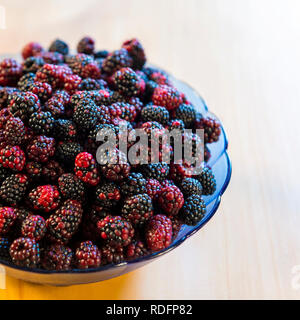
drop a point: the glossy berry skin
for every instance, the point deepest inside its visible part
(127, 82)
(26, 81)
(171, 200)
(211, 127)
(34, 227)
(115, 230)
(42, 89)
(41, 122)
(155, 113)
(13, 188)
(136, 52)
(40, 149)
(55, 106)
(71, 187)
(86, 45)
(186, 113)
(87, 256)
(14, 131)
(10, 72)
(167, 97)
(135, 250)
(31, 49)
(159, 233)
(158, 171)
(86, 169)
(45, 198)
(108, 195)
(86, 114)
(112, 255)
(208, 181)
(190, 186)
(25, 252)
(116, 60)
(84, 66)
(32, 64)
(67, 151)
(193, 210)
(153, 187)
(59, 46)
(134, 184)
(7, 219)
(57, 257)
(12, 157)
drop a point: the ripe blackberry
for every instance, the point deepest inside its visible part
(71, 83)
(31, 49)
(26, 81)
(13, 188)
(85, 114)
(7, 219)
(108, 195)
(52, 74)
(158, 171)
(179, 171)
(10, 72)
(71, 187)
(4, 116)
(123, 111)
(62, 96)
(12, 157)
(135, 250)
(23, 104)
(54, 58)
(55, 106)
(127, 82)
(57, 257)
(136, 51)
(86, 168)
(4, 248)
(14, 131)
(59, 46)
(34, 227)
(86, 45)
(115, 231)
(5, 95)
(153, 187)
(41, 122)
(67, 151)
(25, 252)
(89, 85)
(84, 66)
(171, 200)
(45, 198)
(211, 127)
(190, 186)
(41, 148)
(208, 181)
(186, 113)
(167, 97)
(32, 64)
(112, 254)
(114, 165)
(138, 209)
(193, 210)
(33, 170)
(116, 60)
(64, 222)
(155, 113)
(51, 171)
(87, 256)
(159, 77)
(42, 89)
(159, 233)
(137, 103)
(134, 184)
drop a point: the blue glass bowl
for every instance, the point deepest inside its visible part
(221, 166)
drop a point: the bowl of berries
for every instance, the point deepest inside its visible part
(82, 199)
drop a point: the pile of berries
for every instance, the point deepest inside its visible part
(63, 203)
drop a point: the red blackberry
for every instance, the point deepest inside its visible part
(7, 219)
(54, 58)
(158, 171)
(52, 74)
(136, 51)
(116, 60)
(157, 75)
(13, 188)
(86, 168)
(41, 149)
(42, 89)
(127, 82)
(64, 222)
(32, 64)
(4, 248)
(62, 96)
(51, 171)
(171, 200)
(31, 49)
(112, 254)
(167, 97)
(25, 252)
(135, 250)
(211, 127)
(159, 233)
(71, 187)
(87, 255)
(12, 157)
(10, 72)
(84, 66)
(190, 186)
(193, 210)
(186, 113)
(67, 152)
(45, 198)
(137, 103)
(155, 113)
(153, 187)
(134, 184)
(108, 195)
(86, 114)
(123, 111)
(14, 131)
(23, 104)
(59, 46)
(55, 106)
(115, 166)
(179, 171)
(4, 116)
(208, 181)
(41, 122)
(86, 45)
(116, 231)
(57, 257)
(138, 209)
(34, 227)
(71, 83)
(5, 95)
(26, 81)
(33, 170)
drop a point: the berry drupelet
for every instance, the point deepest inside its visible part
(107, 195)
(7, 219)
(14, 131)
(207, 180)
(127, 82)
(186, 113)
(71, 187)
(155, 113)
(86, 169)
(34, 227)
(45, 198)
(57, 257)
(193, 210)
(26, 81)
(65, 130)
(171, 200)
(59, 46)
(10, 72)
(40, 149)
(136, 52)
(211, 127)
(158, 171)
(190, 186)
(167, 97)
(31, 49)
(86, 114)
(55, 106)
(41, 122)
(42, 89)
(86, 45)
(32, 64)
(13, 188)
(135, 250)
(134, 184)
(153, 188)
(87, 255)
(12, 157)
(111, 254)
(116, 60)
(67, 151)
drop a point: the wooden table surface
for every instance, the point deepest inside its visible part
(243, 57)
